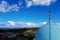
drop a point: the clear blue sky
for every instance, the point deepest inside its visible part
(34, 13)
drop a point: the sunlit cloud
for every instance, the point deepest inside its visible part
(12, 24)
(44, 23)
(30, 3)
(5, 7)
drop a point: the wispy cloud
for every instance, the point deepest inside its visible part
(44, 23)
(20, 3)
(12, 24)
(30, 3)
(5, 7)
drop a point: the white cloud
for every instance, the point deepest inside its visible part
(31, 24)
(13, 8)
(10, 23)
(44, 23)
(39, 2)
(26, 24)
(29, 3)
(41, 24)
(5, 7)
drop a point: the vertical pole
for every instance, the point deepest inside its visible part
(49, 13)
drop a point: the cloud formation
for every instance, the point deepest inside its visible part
(39, 2)
(5, 7)
(44, 23)
(12, 24)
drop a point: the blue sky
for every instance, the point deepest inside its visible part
(34, 11)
